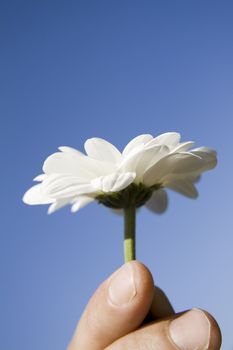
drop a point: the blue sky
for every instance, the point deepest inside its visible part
(71, 70)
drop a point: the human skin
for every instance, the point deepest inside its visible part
(127, 312)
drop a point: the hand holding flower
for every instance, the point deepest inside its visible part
(114, 318)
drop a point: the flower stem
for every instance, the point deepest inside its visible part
(129, 228)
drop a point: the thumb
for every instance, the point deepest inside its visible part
(118, 307)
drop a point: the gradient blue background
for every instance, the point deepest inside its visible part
(71, 70)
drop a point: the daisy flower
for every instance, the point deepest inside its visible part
(122, 180)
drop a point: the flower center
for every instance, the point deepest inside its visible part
(135, 195)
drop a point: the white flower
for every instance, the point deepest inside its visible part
(140, 173)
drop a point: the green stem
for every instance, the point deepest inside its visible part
(129, 228)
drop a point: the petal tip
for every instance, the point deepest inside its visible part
(74, 209)
(27, 198)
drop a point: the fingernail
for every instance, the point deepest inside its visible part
(191, 331)
(122, 288)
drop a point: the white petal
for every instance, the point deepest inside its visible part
(148, 158)
(60, 203)
(173, 177)
(81, 202)
(66, 163)
(35, 196)
(114, 182)
(40, 177)
(123, 181)
(67, 149)
(158, 202)
(174, 163)
(63, 186)
(137, 141)
(75, 190)
(130, 161)
(57, 182)
(208, 155)
(170, 139)
(183, 147)
(141, 158)
(71, 163)
(102, 150)
(184, 187)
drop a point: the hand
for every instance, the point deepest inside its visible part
(117, 316)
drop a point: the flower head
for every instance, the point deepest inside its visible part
(138, 175)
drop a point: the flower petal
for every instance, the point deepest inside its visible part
(158, 202)
(63, 186)
(103, 150)
(184, 187)
(81, 202)
(67, 149)
(74, 190)
(58, 204)
(122, 181)
(56, 182)
(149, 157)
(113, 182)
(174, 163)
(183, 147)
(40, 177)
(36, 196)
(72, 163)
(130, 161)
(137, 141)
(208, 155)
(170, 139)
(141, 158)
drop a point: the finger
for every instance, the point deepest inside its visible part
(118, 307)
(160, 307)
(192, 330)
